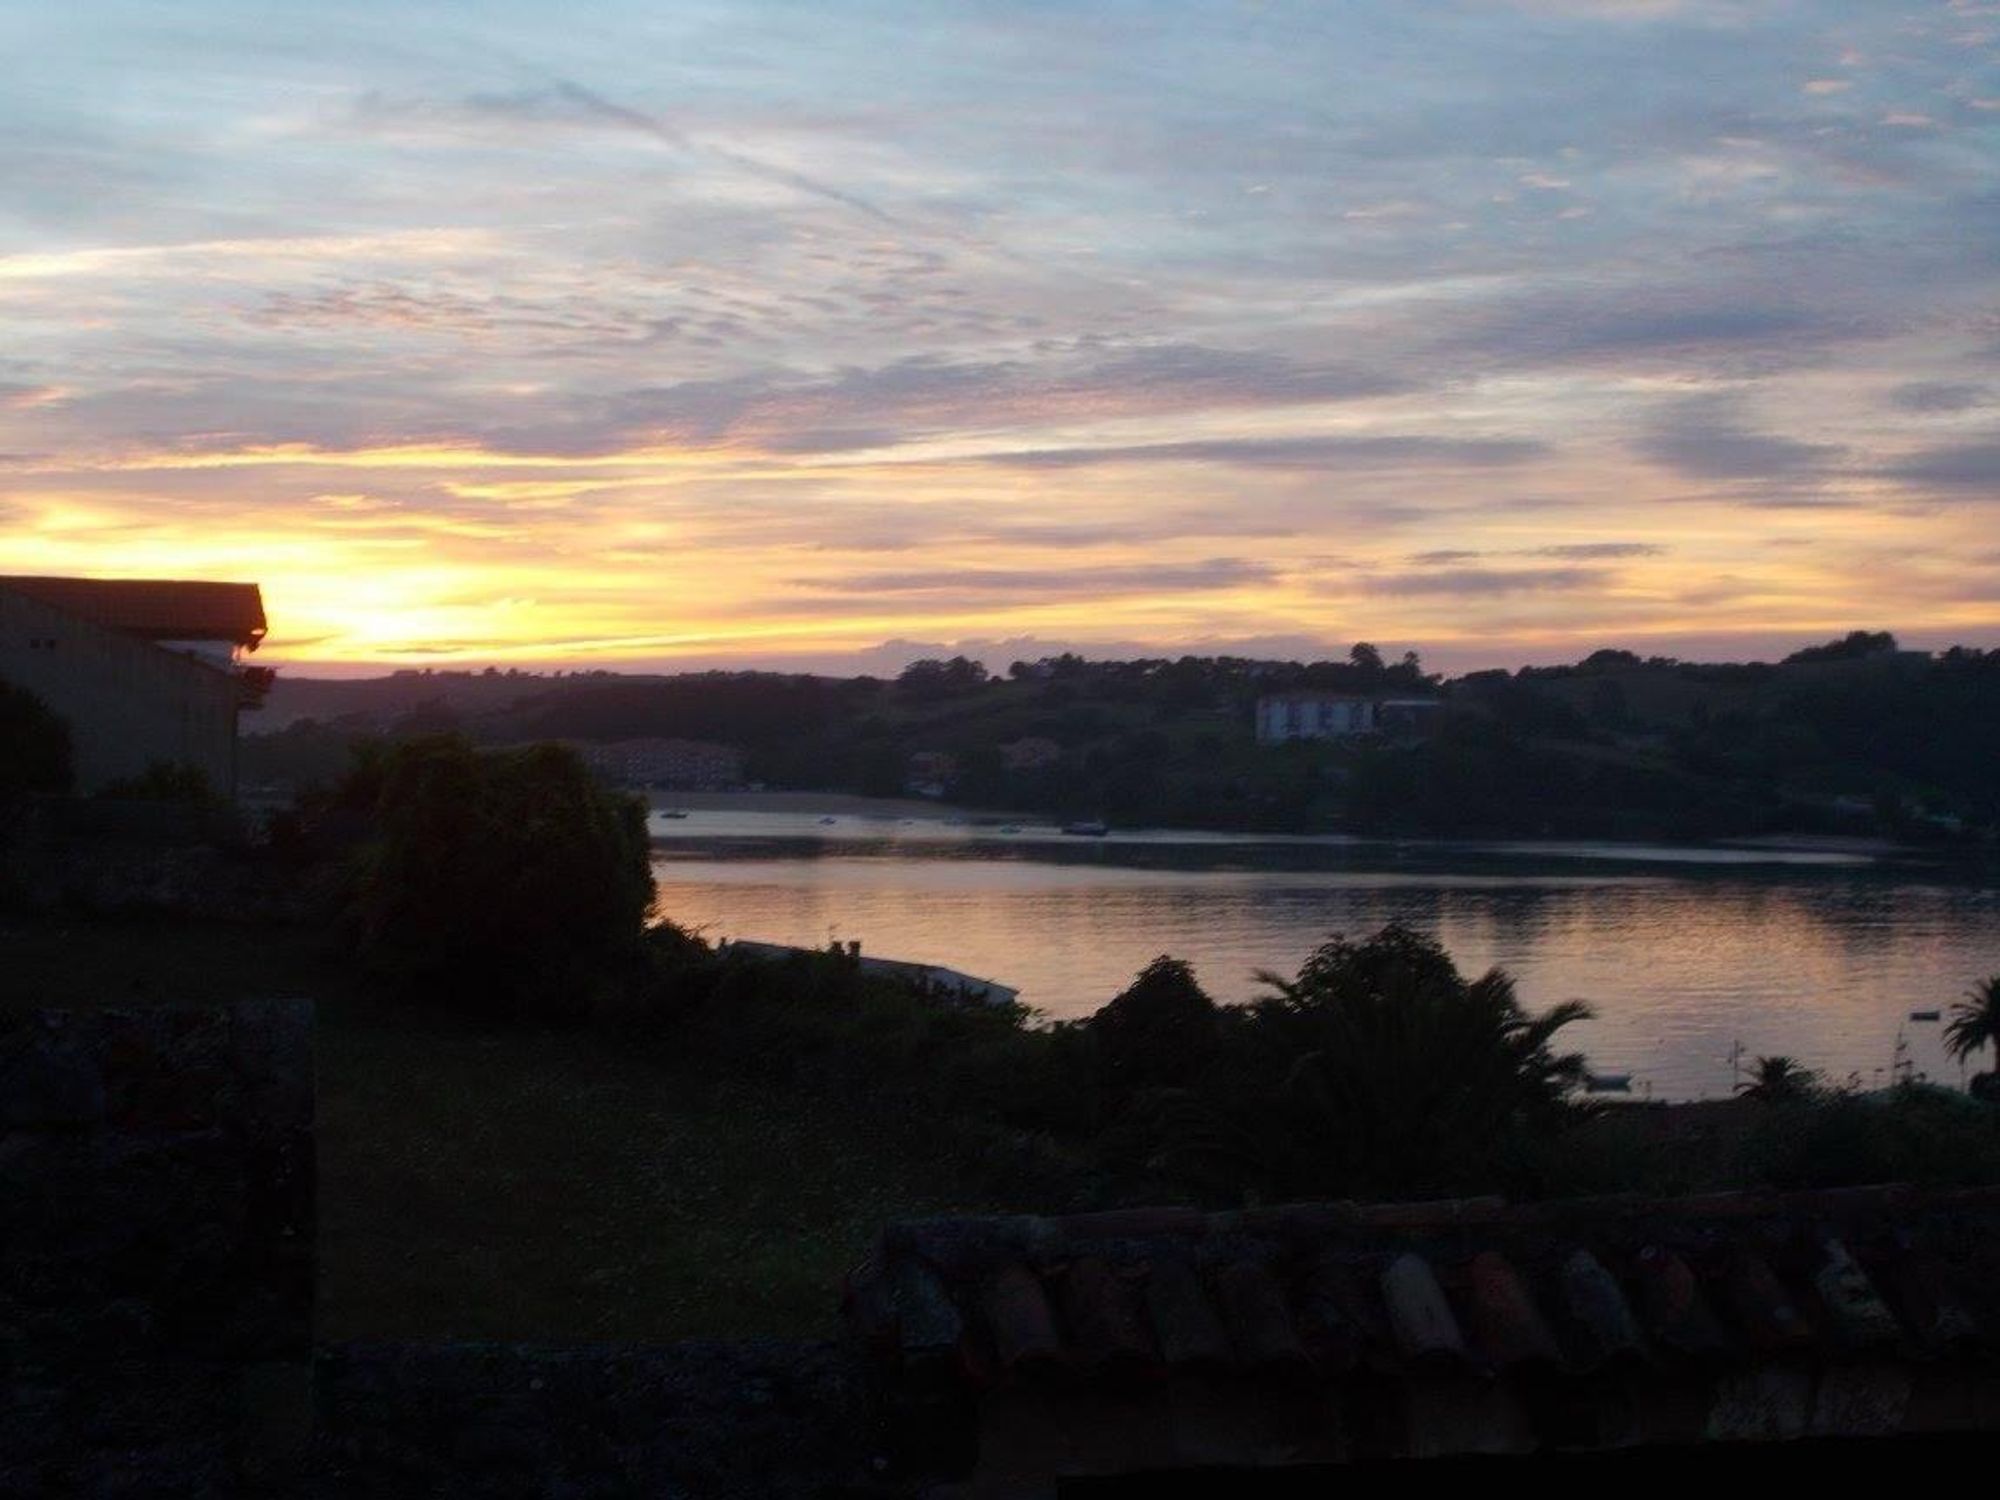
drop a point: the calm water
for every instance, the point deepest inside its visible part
(1681, 952)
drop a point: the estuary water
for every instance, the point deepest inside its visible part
(1683, 953)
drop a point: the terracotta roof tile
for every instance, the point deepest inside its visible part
(1260, 1323)
(1854, 1307)
(1606, 1328)
(1108, 1327)
(1021, 1321)
(1189, 1332)
(1419, 1312)
(1509, 1326)
(1676, 1306)
(1467, 1326)
(1341, 1329)
(1766, 1311)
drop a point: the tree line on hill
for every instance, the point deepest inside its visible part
(1855, 736)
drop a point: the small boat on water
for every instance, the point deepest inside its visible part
(1607, 1083)
(670, 812)
(1010, 827)
(1087, 828)
(828, 822)
(1923, 1015)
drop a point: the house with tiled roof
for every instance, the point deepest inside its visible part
(1027, 1357)
(146, 672)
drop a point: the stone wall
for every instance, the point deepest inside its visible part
(116, 859)
(755, 1419)
(156, 1296)
(156, 1265)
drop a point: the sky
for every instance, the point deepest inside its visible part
(741, 332)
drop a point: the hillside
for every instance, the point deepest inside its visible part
(1853, 738)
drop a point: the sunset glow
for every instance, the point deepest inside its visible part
(762, 333)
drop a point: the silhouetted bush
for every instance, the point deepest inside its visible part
(1380, 1069)
(508, 880)
(819, 1018)
(1915, 1133)
(1856, 645)
(163, 781)
(1780, 1080)
(1160, 1032)
(34, 745)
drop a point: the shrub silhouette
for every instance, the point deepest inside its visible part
(507, 879)
(1160, 1031)
(1974, 1026)
(163, 781)
(34, 745)
(1779, 1080)
(1380, 1069)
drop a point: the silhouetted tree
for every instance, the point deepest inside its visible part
(1779, 1080)
(34, 745)
(505, 880)
(1381, 1069)
(1160, 1031)
(1853, 646)
(1975, 1022)
(1365, 656)
(931, 678)
(163, 781)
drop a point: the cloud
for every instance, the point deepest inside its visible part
(1444, 556)
(880, 406)
(1705, 437)
(1486, 582)
(1961, 466)
(217, 259)
(1145, 531)
(22, 396)
(1571, 551)
(1940, 396)
(1642, 325)
(1588, 550)
(1325, 452)
(1068, 582)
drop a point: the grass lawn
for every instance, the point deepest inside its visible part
(479, 1182)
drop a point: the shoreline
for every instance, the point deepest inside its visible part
(1808, 848)
(838, 804)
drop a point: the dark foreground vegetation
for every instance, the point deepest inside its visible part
(543, 1114)
(1855, 737)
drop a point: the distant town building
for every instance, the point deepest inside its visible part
(1031, 754)
(678, 765)
(930, 773)
(1337, 716)
(146, 672)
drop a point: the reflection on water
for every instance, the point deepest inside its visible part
(1680, 963)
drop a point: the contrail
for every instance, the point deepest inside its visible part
(597, 104)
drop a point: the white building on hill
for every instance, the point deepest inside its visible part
(1338, 716)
